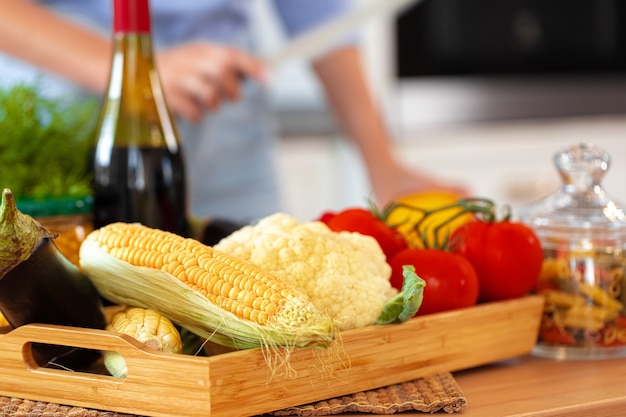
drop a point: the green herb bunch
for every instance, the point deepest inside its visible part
(45, 144)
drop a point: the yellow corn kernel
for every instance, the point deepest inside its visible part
(216, 273)
(148, 327)
(235, 286)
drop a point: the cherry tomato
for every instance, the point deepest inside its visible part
(451, 281)
(506, 255)
(365, 222)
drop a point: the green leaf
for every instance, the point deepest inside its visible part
(45, 143)
(406, 303)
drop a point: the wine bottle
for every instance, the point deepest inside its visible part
(138, 167)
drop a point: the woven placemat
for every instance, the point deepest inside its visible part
(14, 407)
(429, 395)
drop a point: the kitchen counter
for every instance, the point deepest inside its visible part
(545, 387)
(539, 387)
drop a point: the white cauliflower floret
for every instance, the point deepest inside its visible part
(344, 273)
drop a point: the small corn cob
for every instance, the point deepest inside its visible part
(215, 295)
(146, 326)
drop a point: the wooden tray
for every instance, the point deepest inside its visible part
(239, 384)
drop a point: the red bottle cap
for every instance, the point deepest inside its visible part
(131, 16)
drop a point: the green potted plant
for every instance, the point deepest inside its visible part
(45, 147)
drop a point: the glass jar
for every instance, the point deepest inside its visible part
(69, 218)
(583, 232)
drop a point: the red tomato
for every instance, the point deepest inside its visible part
(365, 222)
(451, 281)
(506, 255)
(326, 216)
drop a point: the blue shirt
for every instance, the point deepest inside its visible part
(176, 21)
(230, 155)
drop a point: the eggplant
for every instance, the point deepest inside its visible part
(38, 284)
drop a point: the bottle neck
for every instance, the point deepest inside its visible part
(131, 16)
(135, 102)
(133, 68)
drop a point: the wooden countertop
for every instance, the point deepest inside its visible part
(545, 387)
(539, 387)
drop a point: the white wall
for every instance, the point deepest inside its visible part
(509, 162)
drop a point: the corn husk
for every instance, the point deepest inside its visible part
(123, 283)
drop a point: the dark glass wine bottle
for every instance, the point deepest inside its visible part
(138, 167)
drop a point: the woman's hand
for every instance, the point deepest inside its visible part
(348, 92)
(197, 77)
(391, 179)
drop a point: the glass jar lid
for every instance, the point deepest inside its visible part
(581, 206)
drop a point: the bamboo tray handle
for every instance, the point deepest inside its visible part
(141, 361)
(152, 375)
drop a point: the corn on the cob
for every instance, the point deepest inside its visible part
(146, 326)
(215, 295)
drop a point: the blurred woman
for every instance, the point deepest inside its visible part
(213, 84)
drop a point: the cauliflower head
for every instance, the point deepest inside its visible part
(345, 274)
